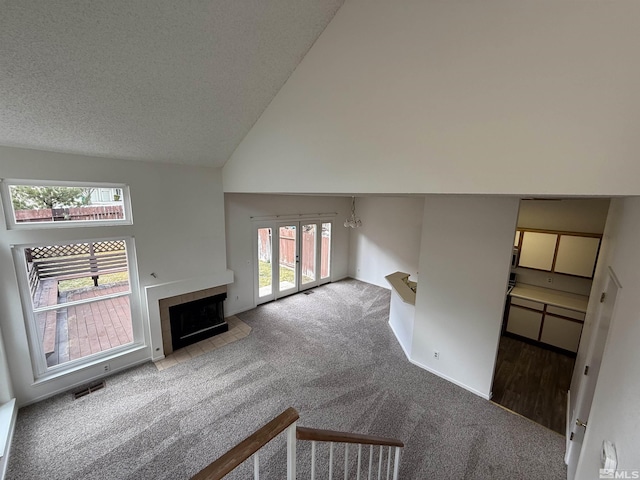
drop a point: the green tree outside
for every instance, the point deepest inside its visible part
(26, 197)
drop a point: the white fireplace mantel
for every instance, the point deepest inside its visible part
(154, 293)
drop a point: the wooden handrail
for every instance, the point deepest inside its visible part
(303, 433)
(250, 445)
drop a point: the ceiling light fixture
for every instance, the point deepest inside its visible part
(353, 221)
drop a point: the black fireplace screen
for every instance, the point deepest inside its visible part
(194, 321)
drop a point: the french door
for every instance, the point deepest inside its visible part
(291, 256)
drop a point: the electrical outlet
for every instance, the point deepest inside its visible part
(436, 355)
(106, 367)
(549, 280)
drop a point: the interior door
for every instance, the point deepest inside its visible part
(578, 419)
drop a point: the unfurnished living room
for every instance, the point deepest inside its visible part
(317, 239)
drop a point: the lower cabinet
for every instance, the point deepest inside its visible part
(524, 322)
(561, 333)
(537, 321)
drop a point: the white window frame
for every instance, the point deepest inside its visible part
(274, 222)
(10, 216)
(40, 369)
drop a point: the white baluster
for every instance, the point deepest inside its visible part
(380, 464)
(256, 466)
(396, 465)
(359, 460)
(389, 463)
(313, 460)
(291, 451)
(331, 461)
(346, 461)
(370, 461)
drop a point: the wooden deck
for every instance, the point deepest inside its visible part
(81, 330)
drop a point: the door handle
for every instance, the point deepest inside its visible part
(580, 423)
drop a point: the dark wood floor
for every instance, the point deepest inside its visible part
(533, 382)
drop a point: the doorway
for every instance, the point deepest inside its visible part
(553, 260)
(291, 257)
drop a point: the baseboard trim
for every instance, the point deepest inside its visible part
(68, 388)
(404, 349)
(435, 372)
(449, 379)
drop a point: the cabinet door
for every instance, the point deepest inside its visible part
(561, 333)
(538, 250)
(577, 255)
(524, 322)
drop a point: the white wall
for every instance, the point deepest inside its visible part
(240, 208)
(389, 239)
(614, 413)
(464, 267)
(178, 227)
(583, 215)
(412, 96)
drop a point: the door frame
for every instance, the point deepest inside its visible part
(584, 396)
(275, 225)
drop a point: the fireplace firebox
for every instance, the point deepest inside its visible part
(194, 321)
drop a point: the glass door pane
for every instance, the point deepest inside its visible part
(265, 267)
(288, 258)
(309, 253)
(325, 251)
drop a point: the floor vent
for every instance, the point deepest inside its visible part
(308, 292)
(87, 390)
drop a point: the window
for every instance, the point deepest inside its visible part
(79, 293)
(77, 299)
(31, 204)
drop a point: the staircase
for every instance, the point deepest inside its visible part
(387, 450)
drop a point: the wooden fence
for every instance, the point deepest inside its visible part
(64, 262)
(100, 212)
(288, 250)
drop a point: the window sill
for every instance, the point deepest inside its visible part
(7, 421)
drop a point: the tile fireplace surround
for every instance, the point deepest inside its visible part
(186, 288)
(166, 303)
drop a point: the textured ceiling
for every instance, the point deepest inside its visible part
(159, 80)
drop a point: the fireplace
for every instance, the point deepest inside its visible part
(196, 320)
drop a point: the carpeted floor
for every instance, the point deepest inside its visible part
(332, 356)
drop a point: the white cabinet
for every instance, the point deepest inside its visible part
(524, 322)
(561, 332)
(538, 250)
(577, 255)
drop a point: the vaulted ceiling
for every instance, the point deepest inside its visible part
(157, 80)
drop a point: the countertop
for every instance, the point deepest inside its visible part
(397, 281)
(549, 296)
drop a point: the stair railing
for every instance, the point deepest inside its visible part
(315, 435)
(287, 420)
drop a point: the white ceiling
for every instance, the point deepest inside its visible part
(158, 80)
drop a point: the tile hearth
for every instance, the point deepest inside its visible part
(237, 331)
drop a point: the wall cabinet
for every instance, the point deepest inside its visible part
(577, 255)
(569, 254)
(538, 250)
